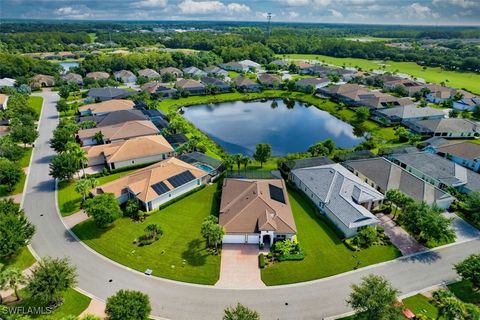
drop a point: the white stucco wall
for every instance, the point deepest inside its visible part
(154, 204)
(133, 162)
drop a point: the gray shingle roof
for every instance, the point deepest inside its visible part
(441, 169)
(449, 125)
(340, 190)
(388, 175)
(409, 111)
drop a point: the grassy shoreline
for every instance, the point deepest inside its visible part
(468, 80)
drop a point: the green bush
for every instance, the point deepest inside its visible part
(261, 261)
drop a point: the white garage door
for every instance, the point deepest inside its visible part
(254, 238)
(229, 238)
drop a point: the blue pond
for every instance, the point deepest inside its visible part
(239, 126)
(66, 65)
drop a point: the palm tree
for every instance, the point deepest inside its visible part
(78, 154)
(83, 186)
(11, 278)
(237, 158)
(98, 137)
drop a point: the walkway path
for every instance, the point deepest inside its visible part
(239, 267)
(463, 229)
(74, 219)
(399, 237)
(174, 300)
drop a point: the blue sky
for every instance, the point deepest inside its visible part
(432, 12)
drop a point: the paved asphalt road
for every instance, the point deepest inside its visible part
(173, 300)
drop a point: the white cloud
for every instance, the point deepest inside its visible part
(293, 14)
(152, 3)
(192, 7)
(461, 3)
(295, 3)
(416, 10)
(321, 3)
(335, 13)
(71, 12)
(238, 8)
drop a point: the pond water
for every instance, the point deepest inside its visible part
(66, 65)
(239, 126)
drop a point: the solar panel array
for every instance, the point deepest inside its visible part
(160, 188)
(181, 179)
(276, 193)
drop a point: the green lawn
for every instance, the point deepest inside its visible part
(18, 187)
(468, 80)
(36, 103)
(419, 304)
(22, 261)
(74, 304)
(69, 200)
(180, 254)
(25, 161)
(463, 290)
(326, 255)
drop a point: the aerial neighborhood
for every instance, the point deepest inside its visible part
(238, 167)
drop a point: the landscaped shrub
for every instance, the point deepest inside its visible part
(288, 250)
(261, 261)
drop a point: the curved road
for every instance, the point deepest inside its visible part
(174, 300)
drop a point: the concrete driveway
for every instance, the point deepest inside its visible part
(239, 267)
(463, 229)
(399, 237)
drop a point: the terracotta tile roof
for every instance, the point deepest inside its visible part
(125, 130)
(141, 181)
(248, 206)
(97, 75)
(135, 148)
(108, 106)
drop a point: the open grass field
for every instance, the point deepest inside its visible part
(69, 200)
(36, 103)
(180, 254)
(74, 304)
(463, 290)
(467, 80)
(421, 305)
(326, 255)
(22, 260)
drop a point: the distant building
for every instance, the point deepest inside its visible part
(108, 93)
(466, 154)
(448, 128)
(222, 86)
(97, 75)
(177, 72)
(269, 80)
(148, 73)
(3, 101)
(73, 77)
(105, 107)
(125, 76)
(193, 87)
(194, 72)
(43, 81)
(246, 84)
(216, 72)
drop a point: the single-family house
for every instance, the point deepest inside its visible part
(176, 139)
(384, 175)
(157, 184)
(221, 85)
(7, 82)
(108, 93)
(158, 88)
(409, 85)
(216, 72)
(320, 70)
(345, 74)
(132, 152)
(438, 171)
(42, 81)
(97, 75)
(448, 128)
(269, 80)
(280, 63)
(193, 87)
(347, 92)
(235, 66)
(464, 153)
(148, 73)
(439, 94)
(256, 211)
(117, 132)
(105, 107)
(115, 117)
(125, 76)
(73, 77)
(194, 72)
(3, 101)
(407, 113)
(339, 194)
(175, 71)
(251, 65)
(304, 67)
(379, 100)
(314, 83)
(245, 84)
